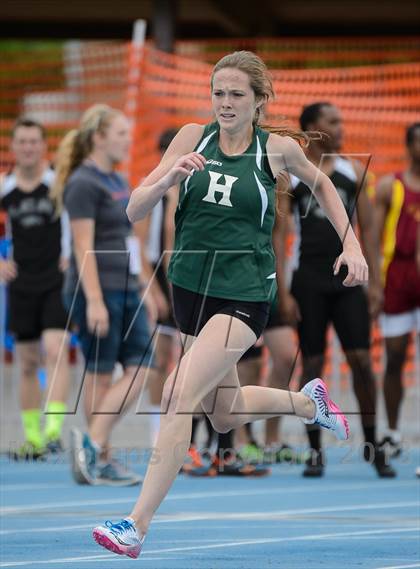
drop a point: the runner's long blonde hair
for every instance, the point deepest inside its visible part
(77, 145)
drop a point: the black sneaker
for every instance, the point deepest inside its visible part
(314, 465)
(391, 447)
(237, 467)
(229, 467)
(55, 446)
(287, 454)
(28, 452)
(379, 460)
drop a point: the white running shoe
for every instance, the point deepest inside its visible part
(84, 458)
(121, 538)
(327, 413)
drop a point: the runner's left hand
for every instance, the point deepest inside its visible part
(358, 272)
(151, 308)
(375, 299)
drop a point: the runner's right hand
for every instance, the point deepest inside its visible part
(8, 270)
(97, 318)
(185, 166)
(289, 309)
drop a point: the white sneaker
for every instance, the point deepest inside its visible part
(84, 457)
(121, 538)
(327, 413)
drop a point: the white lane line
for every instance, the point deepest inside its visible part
(279, 514)
(45, 506)
(204, 495)
(259, 526)
(235, 516)
(236, 543)
(266, 515)
(54, 529)
(400, 566)
(379, 485)
(40, 486)
(37, 468)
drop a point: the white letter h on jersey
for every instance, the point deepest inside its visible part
(215, 187)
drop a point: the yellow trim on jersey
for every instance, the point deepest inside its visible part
(391, 223)
(370, 186)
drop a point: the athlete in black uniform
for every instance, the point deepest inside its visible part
(35, 276)
(318, 295)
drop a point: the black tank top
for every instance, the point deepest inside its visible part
(317, 241)
(36, 234)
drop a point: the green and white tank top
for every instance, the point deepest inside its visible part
(224, 222)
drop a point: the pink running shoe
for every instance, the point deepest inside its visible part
(121, 538)
(327, 413)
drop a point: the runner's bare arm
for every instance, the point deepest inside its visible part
(176, 164)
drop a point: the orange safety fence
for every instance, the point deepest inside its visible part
(309, 52)
(56, 91)
(159, 90)
(377, 103)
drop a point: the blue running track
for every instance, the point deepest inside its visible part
(349, 519)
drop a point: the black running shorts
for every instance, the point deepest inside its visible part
(33, 312)
(193, 310)
(322, 300)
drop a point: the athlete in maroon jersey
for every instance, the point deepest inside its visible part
(398, 215)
